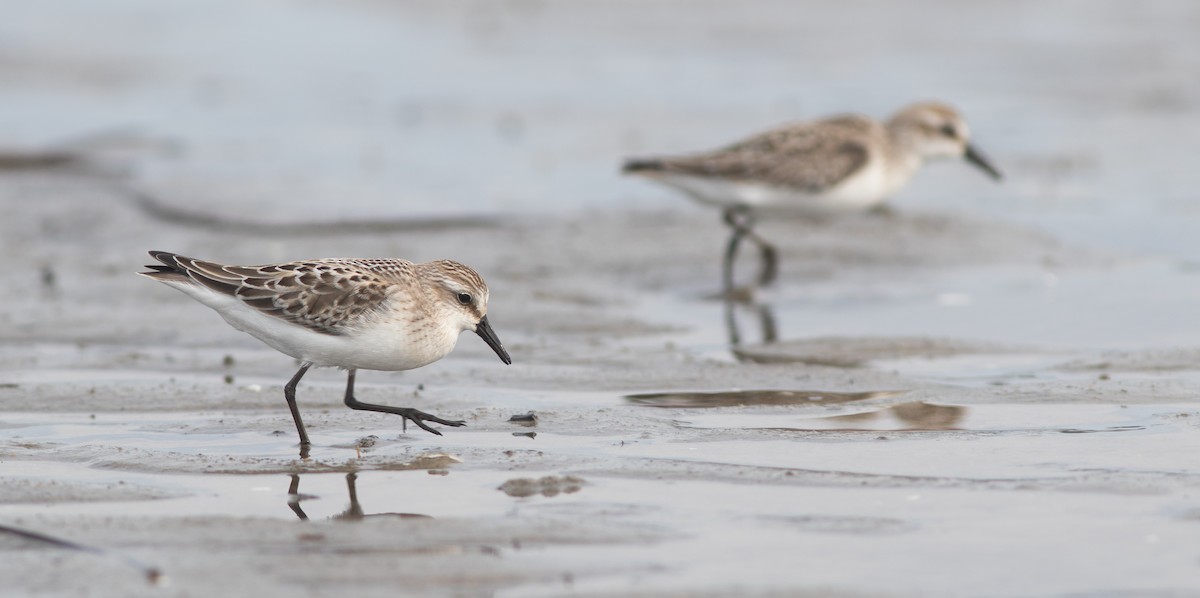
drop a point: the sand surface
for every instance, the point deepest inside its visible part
(990, 390)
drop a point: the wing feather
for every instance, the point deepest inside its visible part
(811, 157)
(326, 296)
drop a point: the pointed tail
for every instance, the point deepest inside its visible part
(635, 165)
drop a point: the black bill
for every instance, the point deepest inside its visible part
(484, 330)
(974, 157)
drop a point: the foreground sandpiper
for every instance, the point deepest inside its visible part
(838, 164)
(375, 314)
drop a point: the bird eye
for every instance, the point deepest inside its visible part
(949, 131)
(464, 298)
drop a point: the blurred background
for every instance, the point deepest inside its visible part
(306, 109)
(915, 389)
(301, 111)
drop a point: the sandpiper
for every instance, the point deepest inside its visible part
(375, 314)
(838, 164)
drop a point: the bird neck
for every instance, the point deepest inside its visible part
(903, 157)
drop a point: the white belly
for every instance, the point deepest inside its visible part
(865, 189)
(384, 345)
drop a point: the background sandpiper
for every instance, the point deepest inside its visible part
(838, 164)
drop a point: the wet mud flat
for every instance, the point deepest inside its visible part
(991, 390)
(679, 445)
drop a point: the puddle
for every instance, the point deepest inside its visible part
(748, 398)
(353, 512)
(985, 369)
(908, 416)
(921, 416)
(536, 96)
(191, 434)
(352, 496)
(844, 525)
(619, 515)
(906, 321)
(257, 443)
(546, 486)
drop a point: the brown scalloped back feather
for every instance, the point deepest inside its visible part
(808, 156)
(325, 295)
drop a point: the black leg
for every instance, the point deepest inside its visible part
(289, 393)
(737, 219)
(408, 413)
(731, 250)
(741, 220)
(770, 260)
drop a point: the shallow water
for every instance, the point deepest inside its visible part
(919, 416)
(898, 501)
(990, 391)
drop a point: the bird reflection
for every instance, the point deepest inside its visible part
(836, 352)
(928, 416)
(354, 512)
(913, 416)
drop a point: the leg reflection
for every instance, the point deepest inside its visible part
(761, 311)
(353, 512)
(294, 498)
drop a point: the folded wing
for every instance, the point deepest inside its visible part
(326, 296)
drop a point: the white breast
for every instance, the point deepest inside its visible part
(384, 343)
(866, 188)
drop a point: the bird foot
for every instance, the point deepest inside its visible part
(420, 417)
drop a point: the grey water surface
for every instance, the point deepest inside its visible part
(989, 390)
